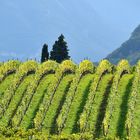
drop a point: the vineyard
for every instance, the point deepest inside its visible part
(69, 101)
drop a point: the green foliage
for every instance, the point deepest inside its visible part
(84, 67)
(103, 68)
(133, 101)
(122, 68)
(62, 97)
(45, 53)
(8, 67)
(45, 68)
(60, 50)
(96, 116)
(23, 71)
(5, 84)
(15, 101)
(117, 121)
(66, 66)
(16, 134)
(49, 123)
(71, 125)
(27, 121)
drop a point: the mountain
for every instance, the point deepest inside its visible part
(91, 28)
(129, 50)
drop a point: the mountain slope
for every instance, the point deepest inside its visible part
(129, 50)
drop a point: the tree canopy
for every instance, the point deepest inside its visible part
(60, 50)
(45, 53)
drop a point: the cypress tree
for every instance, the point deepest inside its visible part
(60, 50)
(45, 53)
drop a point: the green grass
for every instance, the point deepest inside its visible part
(117, 123)
(5, 84)
(27, 121)
(49, 123)
(98, 108)
(135, 130)
(15, 101)
(77, 105)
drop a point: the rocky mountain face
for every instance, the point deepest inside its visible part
(129, 50)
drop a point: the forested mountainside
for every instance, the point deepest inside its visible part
(129, 50)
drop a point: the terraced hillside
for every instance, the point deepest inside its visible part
(69, 101)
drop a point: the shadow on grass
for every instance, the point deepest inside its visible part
(81, 107)
(36, 109)
(102, 110)
(53, 128)
(124, 110)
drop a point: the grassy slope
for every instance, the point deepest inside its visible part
(36, 100)
(117, 123)
(15, 101)
(135, 130)
(78, 104)
(57, 102)
(5, 84)
(97, 113)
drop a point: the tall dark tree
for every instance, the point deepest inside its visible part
(45, 53)
(60, 50)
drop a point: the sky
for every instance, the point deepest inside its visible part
(92, 28)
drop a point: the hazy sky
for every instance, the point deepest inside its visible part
(93, 28)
